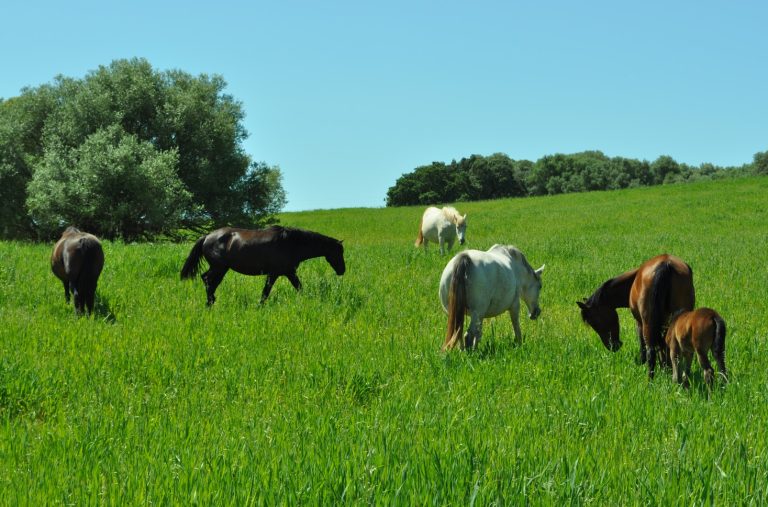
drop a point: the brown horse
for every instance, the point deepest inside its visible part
(652, 292)
(275, 251)
(699, 330)
(77, 260)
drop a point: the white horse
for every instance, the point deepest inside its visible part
(485, 284)
(441, 226)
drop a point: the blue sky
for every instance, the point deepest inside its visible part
(347, 96)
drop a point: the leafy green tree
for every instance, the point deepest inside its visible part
(760, 163)
(112, 184)
(155, 128)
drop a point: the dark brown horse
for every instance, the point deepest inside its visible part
(699, 330)
(652, 292)
(77, 260)
(275, 251)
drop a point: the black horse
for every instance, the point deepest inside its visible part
(77, 260)
(275, 251)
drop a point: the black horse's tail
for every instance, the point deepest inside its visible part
(192, 264)
(718, 345)
(457, 301)
(660, 289)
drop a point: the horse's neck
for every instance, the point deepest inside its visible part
(317, 247)
(616, 291)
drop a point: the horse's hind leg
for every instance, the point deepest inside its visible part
(78, 296)
(66, 291)
(212, 278)
(706, 366)
(474, 332)
(643, 353)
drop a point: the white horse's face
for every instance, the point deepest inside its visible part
(461, 228)
(530, 293)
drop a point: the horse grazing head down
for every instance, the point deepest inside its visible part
(604, 320)
(459, 220)
(335, 257)
(530, 285)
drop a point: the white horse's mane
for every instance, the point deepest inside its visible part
(518, 254)
(452, 214)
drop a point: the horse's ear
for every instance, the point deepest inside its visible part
(583, 306)
(539, 271)
(465, 216)
(341, 241)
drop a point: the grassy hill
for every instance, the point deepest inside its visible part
(340, 393)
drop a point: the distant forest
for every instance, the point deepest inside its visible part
(496, 176)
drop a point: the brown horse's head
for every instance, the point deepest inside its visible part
(604, 320)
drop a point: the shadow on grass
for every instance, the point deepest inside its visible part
(102, 310)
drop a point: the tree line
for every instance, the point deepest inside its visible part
(478, 177)
(129, 152)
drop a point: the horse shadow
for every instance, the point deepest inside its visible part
(103, 310)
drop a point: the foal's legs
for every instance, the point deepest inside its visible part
(705, 365)
(674, 358)
(212, 278)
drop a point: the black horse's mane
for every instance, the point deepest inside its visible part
(300, 236)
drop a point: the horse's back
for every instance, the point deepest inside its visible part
(695, 329)
(492, 284)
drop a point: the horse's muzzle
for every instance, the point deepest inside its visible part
(461, 241)
(535, 313)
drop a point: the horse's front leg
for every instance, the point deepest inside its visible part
(294, 280)
(441, 242)
(267, 287)
(514, 314)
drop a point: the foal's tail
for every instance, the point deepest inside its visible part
(420, 237)
(718, 345)
(192, 264)
(662, 286)
(457, 301)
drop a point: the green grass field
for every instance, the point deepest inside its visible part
(340, 394)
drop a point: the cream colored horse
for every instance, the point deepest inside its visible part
(486, 284)
(441, 226)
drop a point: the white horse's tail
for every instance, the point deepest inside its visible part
(420, 237)
(457, 301)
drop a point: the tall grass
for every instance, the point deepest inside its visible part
(339, 394)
